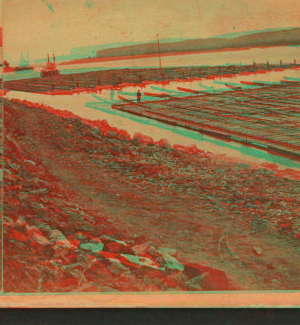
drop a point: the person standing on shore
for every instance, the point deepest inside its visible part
(138, 96)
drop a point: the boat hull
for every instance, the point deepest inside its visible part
(50, 73)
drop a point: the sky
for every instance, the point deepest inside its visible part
(47, 26)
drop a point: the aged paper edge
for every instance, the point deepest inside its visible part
(152, 300)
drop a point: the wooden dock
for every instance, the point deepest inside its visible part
(267, 118)
(122, 77)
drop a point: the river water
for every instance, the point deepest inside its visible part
(245, 57)
(97, 106)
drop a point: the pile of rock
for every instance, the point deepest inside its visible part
(47, 260)
(54, 244)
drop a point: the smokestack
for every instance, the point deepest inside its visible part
(22, 60)
(53, 58)
(48, 57)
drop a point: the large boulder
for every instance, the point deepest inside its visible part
(95, 248)
(141, 138)
(114, 248)
(45, 229)
(196, 283)
(163, 143)
(60, 240)
(172, 264)
(39, 242)
(210, 279)
(139, 262)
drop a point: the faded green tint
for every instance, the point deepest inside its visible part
(49, 5)
(89, 4)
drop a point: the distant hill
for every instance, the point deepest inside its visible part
(237, 34)
(90, 50)
(290, 36)
(85, 52)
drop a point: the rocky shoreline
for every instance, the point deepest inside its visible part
(57, 241)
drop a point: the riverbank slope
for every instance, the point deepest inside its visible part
(87, 208)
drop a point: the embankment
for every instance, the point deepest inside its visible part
(87, 208)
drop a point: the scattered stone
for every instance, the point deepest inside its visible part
(7, 221)
(117, 248)
(122, 138)
(195, 283)
(139, 261)
(116, 267)
(111, 134)
(60, 239)
(23, 196)
(83, 238)
(296, 234)
(29, 166)
(18, 236)
(20, 224)
(97, 132)
(95, 248)
(147, 280)
(39, 191)
(141, 138)
(171, 262)
(40, 171)
(61, 252)
(6, 171)
(143, 249)
(213, 279)
(257, 250)
(176, 279)
(39, 242)
(37, 236)
(106, 238)
(45, 229)
(164, 144)
(142, 261)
